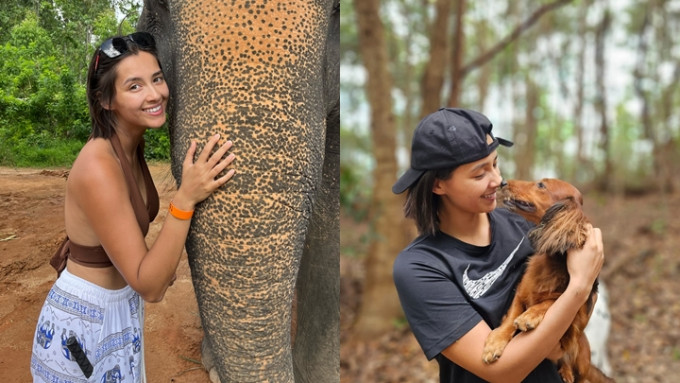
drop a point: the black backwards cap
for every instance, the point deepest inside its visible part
(446, 139)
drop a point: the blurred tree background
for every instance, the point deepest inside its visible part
(45, 48)
(587, 90)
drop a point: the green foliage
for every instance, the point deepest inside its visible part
(157, 144)
(45, 47)
(355, 185)
(42, 108)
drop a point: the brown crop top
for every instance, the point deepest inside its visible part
(95, 256)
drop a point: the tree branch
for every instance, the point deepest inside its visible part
(491, 53)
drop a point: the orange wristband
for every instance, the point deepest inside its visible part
(180, 214)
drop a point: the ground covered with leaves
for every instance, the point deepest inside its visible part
(642, 273)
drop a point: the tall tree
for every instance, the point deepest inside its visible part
(433, 75)
(601, 103)
(457, 54)
(582, 31)
(525, 134)
(380, 303)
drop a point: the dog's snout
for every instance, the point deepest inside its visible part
(504, 183)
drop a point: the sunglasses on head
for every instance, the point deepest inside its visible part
(117, 46)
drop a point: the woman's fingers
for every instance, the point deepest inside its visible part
(221, 165)
(222, 180)
(207, 168)
(219, 153)
(189, 157)
(205, 153)
(215, 158)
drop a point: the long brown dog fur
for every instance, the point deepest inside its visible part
(556, 207)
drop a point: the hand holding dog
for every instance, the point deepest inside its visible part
(584, 264)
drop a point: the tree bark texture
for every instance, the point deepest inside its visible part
(380, 303)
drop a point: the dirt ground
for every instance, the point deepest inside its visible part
(641, 271)
(31, 227)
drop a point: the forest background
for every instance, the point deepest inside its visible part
(45, 48)
(587, 90)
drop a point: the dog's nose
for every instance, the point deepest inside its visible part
(503, 183)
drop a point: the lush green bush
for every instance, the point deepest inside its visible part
(157, 144)
(43, 112)
(44, 118)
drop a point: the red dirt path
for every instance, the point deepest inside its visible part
(32, 225)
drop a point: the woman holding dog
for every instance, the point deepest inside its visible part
(456, 280)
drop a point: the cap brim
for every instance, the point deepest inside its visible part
(406, 180)
(504, 142)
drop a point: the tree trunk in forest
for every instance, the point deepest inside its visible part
(639, 76)
(408, 86)
(665, 150)
(665, 154)
(457, 55)
(484, 79)
(526, 135)
(380, 304)
(606, 181)
(433, 75)
(580, 92)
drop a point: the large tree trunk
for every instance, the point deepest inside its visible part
(606, 181)
(255, 72)
(433, 75)
(581, 162)
(525, 134)
(380, 303)
(457, 56)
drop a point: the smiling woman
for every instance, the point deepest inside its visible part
(96, 305)
(141, 94)
(457, 278)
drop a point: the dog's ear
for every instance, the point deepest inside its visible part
(563, 227)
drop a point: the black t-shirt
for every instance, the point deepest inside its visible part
(446, 287)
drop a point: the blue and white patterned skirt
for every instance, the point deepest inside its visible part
(107, 324)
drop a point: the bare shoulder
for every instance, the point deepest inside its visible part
(95, 168)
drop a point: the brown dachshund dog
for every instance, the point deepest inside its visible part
(556, 207)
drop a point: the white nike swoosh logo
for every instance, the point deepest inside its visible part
(477, 288)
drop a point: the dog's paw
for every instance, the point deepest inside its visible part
(528, 321)
(491, 355)
(566, 373)
(493, 347)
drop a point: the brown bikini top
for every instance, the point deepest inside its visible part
(95, 256)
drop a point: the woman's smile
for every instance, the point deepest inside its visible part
(490, 197)
(156, 110)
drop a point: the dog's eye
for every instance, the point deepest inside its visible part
(541, 185)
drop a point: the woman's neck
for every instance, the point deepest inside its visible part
(472, 228)
(129, 142)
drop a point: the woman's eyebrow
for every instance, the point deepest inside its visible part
(131, 79)
(136, 78)
(483, 164)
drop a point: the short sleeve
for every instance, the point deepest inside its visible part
(436, 310)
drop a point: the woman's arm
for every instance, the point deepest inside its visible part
(526, 350)
(104, 199)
